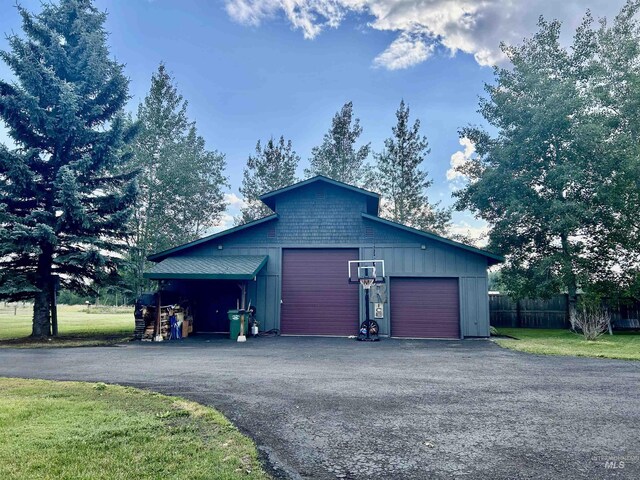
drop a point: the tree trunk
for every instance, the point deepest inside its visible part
(571, 282)
(42, 302)
(572, 291)
(41, 313)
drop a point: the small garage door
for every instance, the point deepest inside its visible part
(425, 308)
(316, 296)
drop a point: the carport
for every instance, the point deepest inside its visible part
(210, 285)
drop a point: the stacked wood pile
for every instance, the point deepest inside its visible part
(139, 330)
(147, 323)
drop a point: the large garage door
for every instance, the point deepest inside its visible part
(425, 308)
(316, 296)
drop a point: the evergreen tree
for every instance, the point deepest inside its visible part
(402, 182)
(63, 208)
(181, 182)
(557, 182)
(272, 167)
(337, 156)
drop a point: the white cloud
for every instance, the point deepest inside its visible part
(234, 205)
(405, 51)
(457, 179)
(226, 221)
(234, 201)
(477, 234)
(475, 27)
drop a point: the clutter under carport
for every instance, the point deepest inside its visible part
(162, 322)
(156, 322)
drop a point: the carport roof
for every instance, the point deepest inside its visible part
(229, 267)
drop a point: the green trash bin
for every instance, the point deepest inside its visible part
(234, 324)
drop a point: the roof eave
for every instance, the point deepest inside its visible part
(492, 258)
(198, 276)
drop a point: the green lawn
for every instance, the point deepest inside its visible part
(72, 430)
(75, 326)
(562, 342)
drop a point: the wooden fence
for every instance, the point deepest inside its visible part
(547, 313)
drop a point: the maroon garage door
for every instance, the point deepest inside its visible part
(316, 296)
(425, 308)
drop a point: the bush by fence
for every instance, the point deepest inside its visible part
(546, 313)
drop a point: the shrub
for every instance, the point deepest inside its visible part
(592, 322)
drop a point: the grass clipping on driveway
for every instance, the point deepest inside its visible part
(93, 431)
(622, 345)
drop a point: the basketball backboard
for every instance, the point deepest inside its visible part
(366, 270)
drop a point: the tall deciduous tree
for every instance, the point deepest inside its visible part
(181, 182)
(337, 157)
(63, 209)
(272, 167)
(403, 183)
(554, 183)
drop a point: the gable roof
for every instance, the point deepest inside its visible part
(493, 258)
(373, 199)
(156, 257)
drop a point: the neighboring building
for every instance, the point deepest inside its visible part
(295, 266)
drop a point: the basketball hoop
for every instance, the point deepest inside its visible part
(367, 282)
(367, 273)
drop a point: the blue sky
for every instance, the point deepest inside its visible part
(252, 69)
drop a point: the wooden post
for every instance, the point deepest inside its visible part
(54, 305)
(158, 323)
(243, 305)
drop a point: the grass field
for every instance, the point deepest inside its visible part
(67, 430)
(563, 342)
(75, 326)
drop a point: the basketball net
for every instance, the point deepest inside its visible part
(367, 282)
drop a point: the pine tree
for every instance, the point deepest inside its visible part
(63, 207)
(402, 182)
(337, 156)
(271, 168)
(181, 182)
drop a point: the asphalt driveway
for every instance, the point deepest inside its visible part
(336, 408)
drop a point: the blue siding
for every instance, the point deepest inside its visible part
(324, 216)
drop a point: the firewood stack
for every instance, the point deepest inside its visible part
(138, 332)
(145, 326)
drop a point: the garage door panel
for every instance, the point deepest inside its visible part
(425, 308)
(316, 297)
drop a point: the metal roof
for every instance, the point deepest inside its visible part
(229, 267)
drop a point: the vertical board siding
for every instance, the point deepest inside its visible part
(549, 313)
(529, 313)
(475, 306)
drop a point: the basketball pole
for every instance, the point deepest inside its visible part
(367, 322)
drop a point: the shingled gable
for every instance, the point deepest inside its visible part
(372, 206)
(269, 199)
(373, 199)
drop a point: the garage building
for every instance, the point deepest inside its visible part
(294, 265)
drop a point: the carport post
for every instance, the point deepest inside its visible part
(158, 322)
(243, 306)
